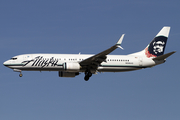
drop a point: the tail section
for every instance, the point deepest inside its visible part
(157, 45)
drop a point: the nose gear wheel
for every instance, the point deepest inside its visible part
(20, 75)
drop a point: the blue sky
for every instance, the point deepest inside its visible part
(67, 26)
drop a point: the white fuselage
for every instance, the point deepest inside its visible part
(55, 62)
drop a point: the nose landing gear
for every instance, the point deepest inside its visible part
(17, 70)
(20, 75)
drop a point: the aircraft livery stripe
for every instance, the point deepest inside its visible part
(14, 64)
(121, 66)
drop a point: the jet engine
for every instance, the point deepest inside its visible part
(68, 74)
(71, 67)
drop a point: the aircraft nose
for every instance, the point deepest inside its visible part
(6, 63)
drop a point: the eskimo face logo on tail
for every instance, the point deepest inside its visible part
(156, 47)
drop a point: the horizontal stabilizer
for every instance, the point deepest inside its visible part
(163, 57)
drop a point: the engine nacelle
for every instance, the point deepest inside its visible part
(68, 74)
(71, 67)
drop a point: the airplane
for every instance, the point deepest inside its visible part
(71, 65)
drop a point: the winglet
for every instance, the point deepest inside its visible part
(120, 41)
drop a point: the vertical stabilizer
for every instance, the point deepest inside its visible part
(158, 44)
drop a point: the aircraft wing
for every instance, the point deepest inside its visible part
(95, 60)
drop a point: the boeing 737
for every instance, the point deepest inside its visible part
(71, 65)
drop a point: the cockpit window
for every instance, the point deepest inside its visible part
(13, 58)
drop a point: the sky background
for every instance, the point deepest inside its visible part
(89, 27)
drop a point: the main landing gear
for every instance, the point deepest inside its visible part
(88, 74)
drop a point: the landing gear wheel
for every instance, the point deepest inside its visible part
(87, 75)
(20, 75)
(86, 78)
